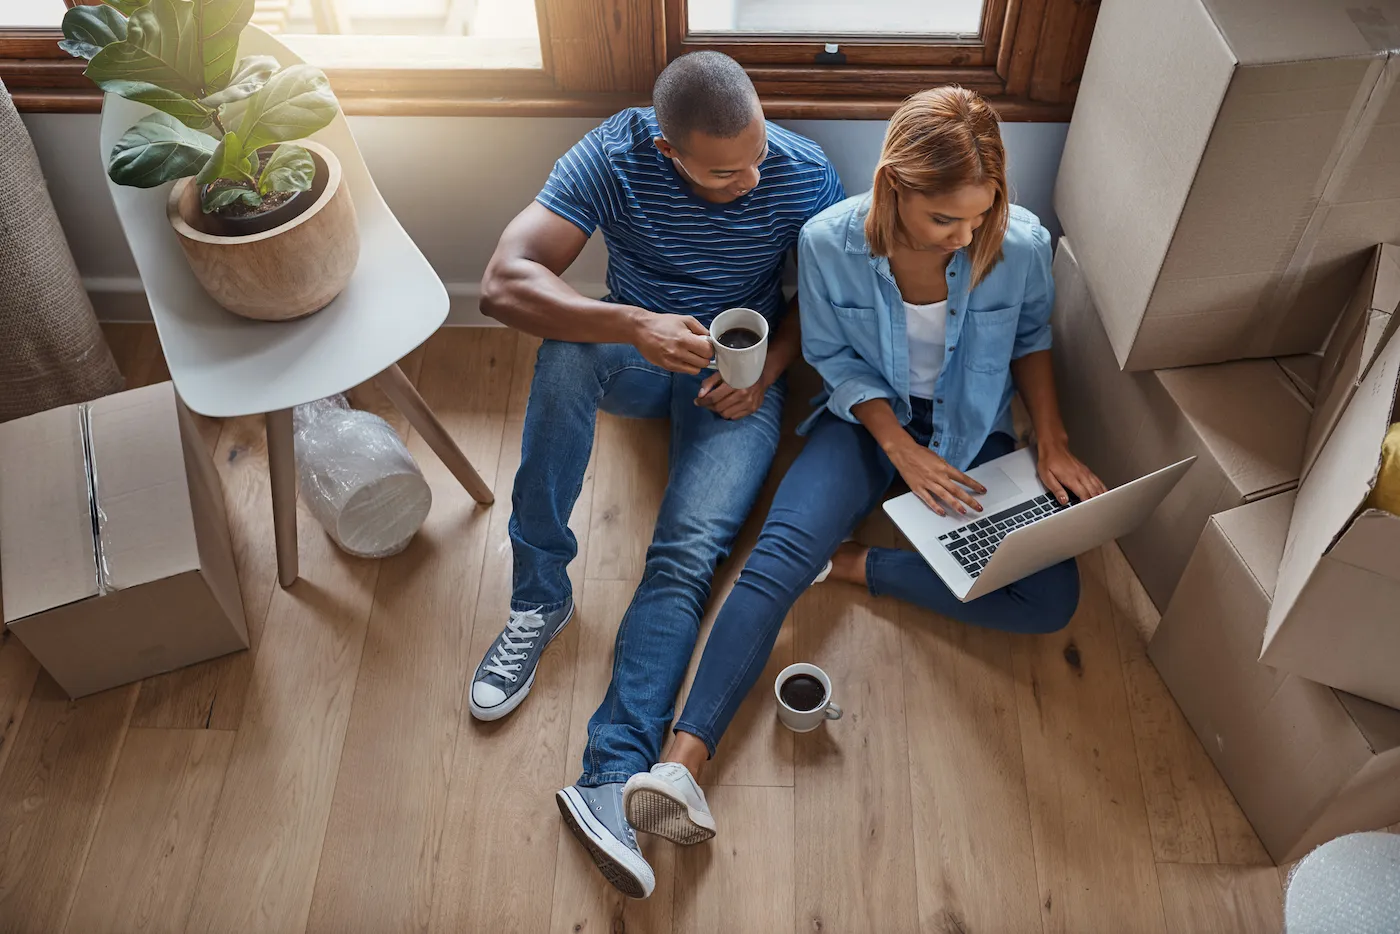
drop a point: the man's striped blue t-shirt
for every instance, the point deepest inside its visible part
(668, 249)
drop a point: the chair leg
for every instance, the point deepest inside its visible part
(281, 465)
(405, 397)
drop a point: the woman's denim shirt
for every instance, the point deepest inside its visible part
(853, 328)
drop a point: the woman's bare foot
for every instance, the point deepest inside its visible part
(848, 564)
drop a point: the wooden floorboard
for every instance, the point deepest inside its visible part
(263, 856)
(54, 785)
(379, 858)
(331, 778)
(1192, 815)
(743, 880)
(1093, 846)
(144, 862)
(972, 839)
(855, 846)
(1221, 899)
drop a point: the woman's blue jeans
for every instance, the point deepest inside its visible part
(840, 476)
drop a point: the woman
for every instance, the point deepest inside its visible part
(924, 304)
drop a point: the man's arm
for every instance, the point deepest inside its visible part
(522, 289)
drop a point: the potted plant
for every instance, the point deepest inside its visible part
(263, 214)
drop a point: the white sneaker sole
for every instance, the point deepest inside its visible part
(653, 806)
(627, 872)
(518, 698)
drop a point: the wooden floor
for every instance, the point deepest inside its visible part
(332, 780)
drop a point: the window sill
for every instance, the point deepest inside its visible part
(553, 104)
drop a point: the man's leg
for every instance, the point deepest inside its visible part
(572, 381)
(717, 469)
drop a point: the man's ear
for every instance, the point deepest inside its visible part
(665, 148)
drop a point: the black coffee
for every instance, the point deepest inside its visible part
(802, 692)
(739, 338)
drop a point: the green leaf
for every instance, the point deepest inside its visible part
(290, 169)
(88, 29)
(219, 23)
(230, 160)
(158, 149)
(221, 198)
(192, 114)
(126, 6)
(250, 75)
(161, 49)
(295, 102)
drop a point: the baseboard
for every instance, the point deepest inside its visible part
(122, 299)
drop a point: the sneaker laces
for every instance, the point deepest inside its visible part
(515, 643)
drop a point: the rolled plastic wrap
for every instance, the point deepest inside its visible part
(358, 479)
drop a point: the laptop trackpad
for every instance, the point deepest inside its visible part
(1000, 488)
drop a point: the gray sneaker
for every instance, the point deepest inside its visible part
(594, 816)
(507, 672)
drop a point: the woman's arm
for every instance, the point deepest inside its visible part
(849, 378)
(929, 476)
(1059, 469)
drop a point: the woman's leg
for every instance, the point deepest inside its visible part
(1040, 603)
(837, 479)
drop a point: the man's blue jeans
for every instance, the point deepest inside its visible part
(840, 476)
(716, 469)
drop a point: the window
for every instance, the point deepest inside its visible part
(808, 58)
(832, 18)
(409, 34)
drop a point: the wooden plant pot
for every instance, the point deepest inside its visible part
(287, 272)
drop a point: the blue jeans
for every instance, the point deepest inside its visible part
(840, 476)
(716, 469)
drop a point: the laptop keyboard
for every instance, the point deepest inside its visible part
(974, 544)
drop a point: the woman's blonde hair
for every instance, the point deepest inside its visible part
(937, 142)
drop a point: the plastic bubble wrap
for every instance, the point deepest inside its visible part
(358, 478)
(1348, 886)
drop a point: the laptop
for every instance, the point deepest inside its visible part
(1022, 527)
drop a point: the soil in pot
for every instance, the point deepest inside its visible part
(278, 208)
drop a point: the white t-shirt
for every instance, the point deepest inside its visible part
(927, 327)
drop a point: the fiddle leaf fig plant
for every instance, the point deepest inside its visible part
(229, 122)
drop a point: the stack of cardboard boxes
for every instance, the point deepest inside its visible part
(1231, 176)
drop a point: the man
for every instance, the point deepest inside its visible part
(699, 200)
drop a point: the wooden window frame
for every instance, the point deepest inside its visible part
(602, 55)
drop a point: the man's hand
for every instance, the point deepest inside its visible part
(1060, 470)
(934, 480)
(726, 401)
(678, 343)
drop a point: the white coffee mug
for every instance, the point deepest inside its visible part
(740, 367)
(805, 721)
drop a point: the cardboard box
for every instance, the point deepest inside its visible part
(1336, 615)
(115, 559)
(1245, 422)
(1367, 325)
(1229, 166)
(1305, 762)
(1305, 371)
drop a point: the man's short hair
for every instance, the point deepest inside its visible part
(703, 92)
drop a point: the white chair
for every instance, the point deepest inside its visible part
(225, 366)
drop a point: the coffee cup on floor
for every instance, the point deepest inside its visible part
(803, 693)
(740, 340)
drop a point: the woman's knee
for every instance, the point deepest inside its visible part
(1053, 597)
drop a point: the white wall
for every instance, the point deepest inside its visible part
(455, 182)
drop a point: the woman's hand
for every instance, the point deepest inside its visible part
(934, 480)
(726, 401)
(1060, 470)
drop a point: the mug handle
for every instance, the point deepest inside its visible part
(833, 712)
